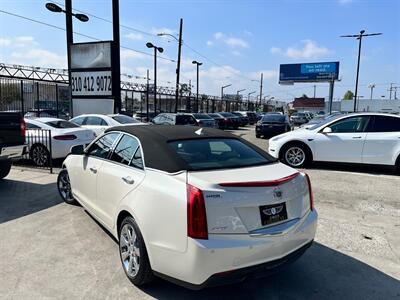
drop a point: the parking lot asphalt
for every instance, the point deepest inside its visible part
(50, 250)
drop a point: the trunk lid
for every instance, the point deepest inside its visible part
(235, 199)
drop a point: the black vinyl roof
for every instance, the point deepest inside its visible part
(158, 154)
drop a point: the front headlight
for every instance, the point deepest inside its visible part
(258, 123)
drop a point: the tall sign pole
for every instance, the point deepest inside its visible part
(116, 63)
(70, 40)
(178, 67)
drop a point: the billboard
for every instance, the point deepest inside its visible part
(91, 55)
(308, 72)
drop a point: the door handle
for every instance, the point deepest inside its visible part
(128, 180)
(356, 137)
(93, 169)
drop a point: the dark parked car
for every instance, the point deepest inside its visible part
(272, 124)
(298, 118)
(244, 120)
(252, 116)
(174, 119)
(204, 120)
(219, 120)
(230, 120)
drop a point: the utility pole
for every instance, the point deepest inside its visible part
(359, 38)
(188, 109)
(116, 64)
(198, 64)
(390, 91)
(178, 68)
(261, 87)
(147, 95)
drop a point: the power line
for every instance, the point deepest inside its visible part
(80, 34)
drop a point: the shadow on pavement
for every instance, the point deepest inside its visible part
(19, 198)
(322, 273)
(368, 169)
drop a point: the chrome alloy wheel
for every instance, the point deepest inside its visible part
(295, 156)
(40, 156)
(129, 250)
(64, 186)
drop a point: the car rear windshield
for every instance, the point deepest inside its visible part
(125, 119)
(218, 153)
(184, 120)
(225, 114)
(273, 118)
(61, 124)
(202, 116)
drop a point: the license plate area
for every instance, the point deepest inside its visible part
(274, 213)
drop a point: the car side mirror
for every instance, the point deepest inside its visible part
(327, 130)
(78, 150)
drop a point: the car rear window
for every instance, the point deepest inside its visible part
(184, 120)
(61, 124)
(125, 119)
(210, 154)
(202, 116)
(273, 118)
(225, 114)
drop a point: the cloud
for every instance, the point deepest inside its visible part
(18, 41)
(4, 42)
(230, 41)
(40, 58)
(134, 36)
(127, 54)
(267, 74)
(164, 30)
(209, 43)
(309, 50)
(236, 53)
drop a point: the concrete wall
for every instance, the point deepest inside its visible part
(374, 105)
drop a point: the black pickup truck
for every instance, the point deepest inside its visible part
(12, 140)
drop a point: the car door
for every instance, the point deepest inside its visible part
(85, 170)
(119, 175)
(345, 143)
(382, 143)
(97, 124)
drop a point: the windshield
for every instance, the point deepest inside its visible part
(202, 116)
(61, 124)
(208, 154)
(273, 118)
(125, 119)
(324, 121)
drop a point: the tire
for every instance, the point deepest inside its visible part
(64, 187)
(5, 167)
(258, 136)
(133, 253)
(397, 165)
(295, 155)
(40, 155)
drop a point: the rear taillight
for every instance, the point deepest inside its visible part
(196, 214)
(22, 126)
(66, 137)
(310, 192)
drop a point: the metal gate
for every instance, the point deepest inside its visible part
(40, 152)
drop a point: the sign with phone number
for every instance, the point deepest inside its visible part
(91, 83)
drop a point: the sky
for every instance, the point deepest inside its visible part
(235, 40)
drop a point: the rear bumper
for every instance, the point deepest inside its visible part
(12, 152)
(231, 258)
(263, 130)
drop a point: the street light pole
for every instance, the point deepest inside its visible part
(371, 86)
(248, 99)
(198, 64)
(178, 68)
(261, 87)
(161, 50)
(359, 38)
(116, 64)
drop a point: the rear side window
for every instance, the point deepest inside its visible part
(102, 147)
(96, 121)
(385, 124)
(185, 120)
(209, 154)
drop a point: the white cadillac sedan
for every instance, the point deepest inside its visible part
(199, 207)
(98, 122)
(367, 138)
